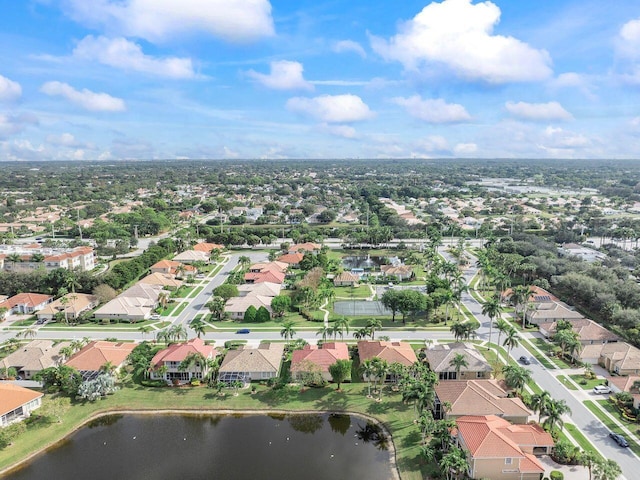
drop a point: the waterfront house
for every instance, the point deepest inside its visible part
(17, 403)
(313, 358)
(440, 360)
(249, 364)
(171, 358)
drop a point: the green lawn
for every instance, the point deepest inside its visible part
(547, 348)
(584, 443)
(590, 383)
(24, 323)
(179, 310)
(362, 291)
(611, 425)
(565, 381)
(182, 292)
(396, 416)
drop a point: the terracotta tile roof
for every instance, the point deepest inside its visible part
(479, 397)
(13, 396)
(207, 247)
(307, 247)
(269, 266)
(77, 303)
(269, 276)
(346, 277)
(97, 353)
(530, 464)
(392, 352)
(165, 264)
(179, 351)
(164, 279)
(29, 299)
(587, 330)
(321, 357)
(291, 258)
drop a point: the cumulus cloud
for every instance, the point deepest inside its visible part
(573, 80)
(344, 131)
(160, 20)
(12, 124)
(68, 140)
(465, 149)
(284, 75)
(538, 111)
(558, 138)
(433, 110)
(331, 108)
(345, 46)
(95, 102)
(458, 35)
(9, 90)
(627, 46)
(126, 55)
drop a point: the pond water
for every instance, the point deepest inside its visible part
(365, 262)
(185, 447)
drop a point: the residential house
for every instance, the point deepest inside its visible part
(478, 397)
(248, 364)
(307, 247)
(134, 304)
(440, 360)
(164, 280)
(17, 403)
(589, 332)
(274, 266)
(98, 353)
(550, 311)
(33, 357)
(208, 247)
(266, 276)
(172, 267)
(538, 295)
(401, 272)
(71, 305)
(585, 253)
(346, 279)
(626, 384)
(237, 306)
(81, 258)
(391, 352)
(291, 259)
(498, 450)
(171, 357)
(26, 303)
(192, 256)
(620, 358)
(313, 358)
(266, 289)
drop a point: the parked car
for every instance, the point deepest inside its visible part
(601, 389)
(155, 316)
(243, 330)
(525, 360)
(619, 439)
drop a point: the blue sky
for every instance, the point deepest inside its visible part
(123, 79)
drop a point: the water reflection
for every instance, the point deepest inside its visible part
(374, 434)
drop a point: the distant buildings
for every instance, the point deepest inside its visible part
(30, 257)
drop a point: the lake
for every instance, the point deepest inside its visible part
(185, 447)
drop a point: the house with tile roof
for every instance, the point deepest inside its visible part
(545, 312)
(291, 259)
(626, 384)
(620, 358)
(498, 450)
(304, 248)
(94, 355)
(391, 352)
(26, 303)
(314, 358)
(71, 305)
(478, 397)
(538, 295)
(208, 247)
(36, 355)
(133, 305)
(346, 279)
(589, 332)
(440, 357)
(268, 289)
(266, 276)
(17, 403)
(237, 306)
(401, 272)
(164, 280)
(249, 364)
(268, 267)
(192, 256)
(171, 357)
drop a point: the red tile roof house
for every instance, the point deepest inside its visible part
(268, 276)
(171, 267)
(173, 355)
(498, 450)
(304, 247)
(208, 247)
(26, 303)
(392, 352)
(17, 403)
(317, 359)
(291, 259)
(94, 355)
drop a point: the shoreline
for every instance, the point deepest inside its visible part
(174, 411)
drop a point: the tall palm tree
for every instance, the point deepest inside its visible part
(361, 333)
(555, 410)
(458, 329)
(520, 296)
(457, 362)
(606, 470)
(288, 330)
(516, 376)
(588, 458)
(324, 332)
(144, 330)
(502, 325)
(374, 324)
(244, 261)
(343, 324)
(367, 371)
(540, 403)
(198, 326)
(511, 340)
(193, 361)
(492, 308)
(454, 463)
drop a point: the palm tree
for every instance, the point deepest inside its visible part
(14, 258)
(516, 376)
(198, 326)
(361, 333)
(458, 329)
(343, 325)
(380, 368)
(502, 326)
(64, 301)
(540, 403)
(520, 296)
(555, 410)
(457, 362)
(511, 340)
(366, 369)
(454, 463)
(325, 331)
(108, 368)
(288, 330)
(492, 308)
(588, 458)
(144, 330)
(163, 298)
(28, 332)
(244, 261)
(606, 470)
(374, 324)
(193, 361)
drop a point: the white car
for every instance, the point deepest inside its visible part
(155, 316)
(601, 389)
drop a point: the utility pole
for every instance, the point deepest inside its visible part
(79, 227)
(135, 231)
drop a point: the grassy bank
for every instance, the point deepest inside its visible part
(396, 416)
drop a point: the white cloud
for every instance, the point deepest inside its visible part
(95, 102)
(557, 138)
(628, 50)
(331, 108)
(12, 124)
(433, 110)
(349, 46)
(573, 80)
(160, 20)
(538, 111)
(126, 55)
(458, 35)
(465, 149)
(9, 90)
(284, 75)
(69, 141)
(344, 131)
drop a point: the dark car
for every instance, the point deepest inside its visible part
(619, 439)
(525, 360)
(243, 330)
